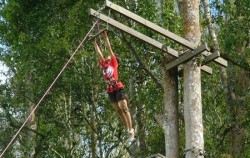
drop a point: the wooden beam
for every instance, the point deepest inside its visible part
(207, 69)
(204, 68)
(221, 62)
(215, 57)
(187, 56)
(133, 32)
(210, 56)
(159, 29)
(137, 34)
(150, 25)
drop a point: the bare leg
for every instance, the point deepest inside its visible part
(125, 112)
(119, 111)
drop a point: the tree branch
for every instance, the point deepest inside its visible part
(144, 67)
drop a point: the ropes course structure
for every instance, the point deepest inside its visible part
(179, 58)
(49, 88)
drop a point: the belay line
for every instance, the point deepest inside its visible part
(47, 91)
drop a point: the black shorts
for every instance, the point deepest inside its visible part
(117, 95)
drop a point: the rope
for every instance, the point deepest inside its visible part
(47, 91)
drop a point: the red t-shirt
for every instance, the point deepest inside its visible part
(110, 74)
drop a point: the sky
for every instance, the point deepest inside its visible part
(3, 70)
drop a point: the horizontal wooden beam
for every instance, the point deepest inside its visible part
(133, 32)
(210, 56)
(221, 62)
(159, 29)
(215, 57)
(150, 25)
(187, 56)
(207, 69)
(204, 68)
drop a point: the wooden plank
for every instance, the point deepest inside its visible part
(136, 34)
(158, 29)
(211, 56)
(207, 69)
(150, 25)
(204, 68)
(133, 32)
(221, 62)
(187, 56)
(217, 60)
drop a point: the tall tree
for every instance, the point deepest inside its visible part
(192, 84)
(236, 45)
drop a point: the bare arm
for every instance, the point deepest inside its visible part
(98, 50)
(108, 44)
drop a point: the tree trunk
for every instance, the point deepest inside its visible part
(171, 126)
(94, 139)
(192, 85)
(238, 131)
(31, 140)
(234, 103)
(32, 123)
(169, 119)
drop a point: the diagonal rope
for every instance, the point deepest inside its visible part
(47, 91)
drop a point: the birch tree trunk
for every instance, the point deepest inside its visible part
(192, 85)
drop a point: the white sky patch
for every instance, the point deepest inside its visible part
(3, 72)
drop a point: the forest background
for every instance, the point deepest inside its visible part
(75, 119)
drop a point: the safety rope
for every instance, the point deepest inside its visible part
(47, 91)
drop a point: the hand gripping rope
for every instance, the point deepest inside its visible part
(47, 91)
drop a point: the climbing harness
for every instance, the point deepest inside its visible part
(111, 85)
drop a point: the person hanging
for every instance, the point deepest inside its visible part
(115, 88)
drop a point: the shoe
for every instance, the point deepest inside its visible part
(131, 135)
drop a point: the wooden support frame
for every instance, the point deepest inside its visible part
(140, 36)
(133, 32)
(149, 24)
(187, 56)
(210, 57)
(164, 32)
(215, 57)
(206, 69)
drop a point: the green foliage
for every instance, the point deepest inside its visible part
(37, 39)
(232, 21)
(155, 140)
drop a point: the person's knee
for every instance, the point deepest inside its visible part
(123, 106)
(119, 111)
(117, 108)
